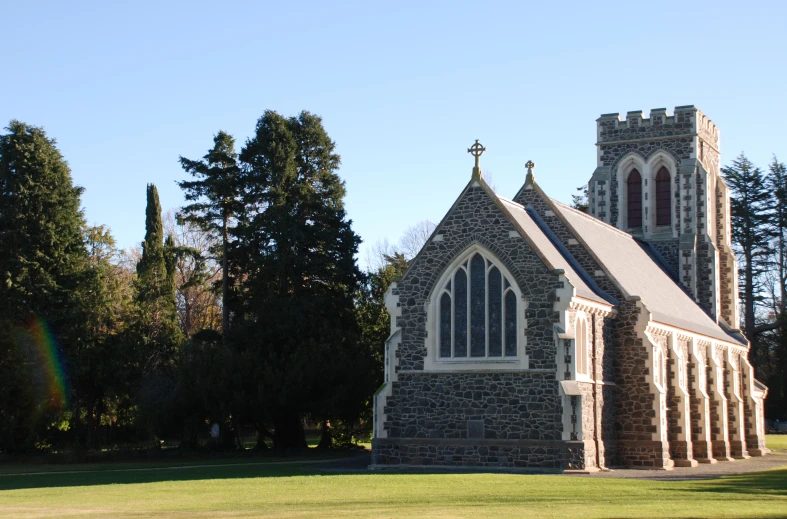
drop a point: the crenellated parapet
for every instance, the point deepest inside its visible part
(658, 178)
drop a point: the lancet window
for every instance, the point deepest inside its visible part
(477, 309)
(663, 204)
(634, 198)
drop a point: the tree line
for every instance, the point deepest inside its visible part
(246, 308)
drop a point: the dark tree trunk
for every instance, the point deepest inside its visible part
(326, 438)
(748, 310)
(288, 431)
(91, 421)
(225, 279)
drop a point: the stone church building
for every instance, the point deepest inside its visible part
(527, 334)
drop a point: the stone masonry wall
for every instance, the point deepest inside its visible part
(510, 406)
(484, 418)
(476, 218)
(674, 135)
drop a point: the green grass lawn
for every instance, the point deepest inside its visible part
(303, 490)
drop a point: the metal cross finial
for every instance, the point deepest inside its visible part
(530, 165)
(476, 150)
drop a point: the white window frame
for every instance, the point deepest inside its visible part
(654, 164)
(433, 361)
(630, 162)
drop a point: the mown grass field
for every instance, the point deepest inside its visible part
(266, 489)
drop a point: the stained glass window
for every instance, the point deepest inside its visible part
(495, 313)
(480, 320)
(460, 313)
(445, 325)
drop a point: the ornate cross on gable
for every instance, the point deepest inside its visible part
(530, 165)
(476, 150)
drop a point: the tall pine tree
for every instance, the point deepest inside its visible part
(296, 249)
(751, 234)
(214, 197)
(777, 185)
(42, 265)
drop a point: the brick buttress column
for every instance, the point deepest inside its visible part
(701, 438)
(732, 387)
(718, 405)
(680, 441)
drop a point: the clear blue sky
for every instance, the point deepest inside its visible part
(404, 88)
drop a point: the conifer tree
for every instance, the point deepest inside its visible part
(751, 234)
(42, 262)
(296, 248)
(215, 201)
(777, 185)
(155, 298)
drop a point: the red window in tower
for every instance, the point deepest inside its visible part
(663, 205)
(634, 192)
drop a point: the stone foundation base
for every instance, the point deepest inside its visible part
(686, 463)
(709, 461)
(721, 450)
(702, 450)
(759, 452)
(738, 450)
(641, 454)
(412, 453)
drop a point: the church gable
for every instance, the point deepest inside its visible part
(476, 229)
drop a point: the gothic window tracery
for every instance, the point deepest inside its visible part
(477, 312)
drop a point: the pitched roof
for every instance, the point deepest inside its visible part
(559, 259)
(637, 274)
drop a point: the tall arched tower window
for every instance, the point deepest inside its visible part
(663, 203)
(477, 312)
(634, 198)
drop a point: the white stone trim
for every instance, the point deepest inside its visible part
(629, 162)
(654, 164)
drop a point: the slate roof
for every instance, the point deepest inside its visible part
(637, 274)
(552, 252)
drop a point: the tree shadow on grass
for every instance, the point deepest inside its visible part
(770, 482)
(128, 476)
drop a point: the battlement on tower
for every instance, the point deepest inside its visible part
(687, 121)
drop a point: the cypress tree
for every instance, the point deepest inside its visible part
(42, 262)
(751, 234)
(296, 248)
(157, 321)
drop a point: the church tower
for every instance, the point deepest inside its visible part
(658, 179)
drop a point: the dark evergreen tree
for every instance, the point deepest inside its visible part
(215, 200)
(156, 331)
(751, 234)
(777, 379)
(296, 250)
(42, 265)
(580, 201)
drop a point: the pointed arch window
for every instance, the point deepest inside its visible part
(634, 198)
(663, 205)
(477, 312)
